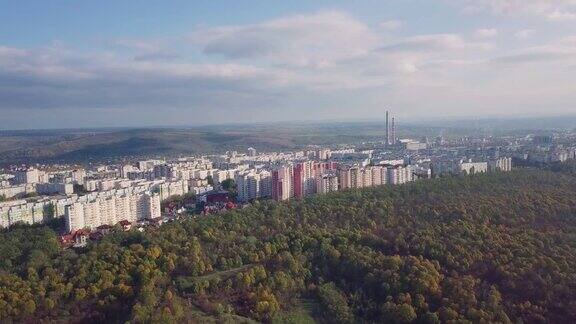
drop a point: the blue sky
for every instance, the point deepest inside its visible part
(136, 63)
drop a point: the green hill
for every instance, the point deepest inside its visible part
(97, 145)
(485, 248)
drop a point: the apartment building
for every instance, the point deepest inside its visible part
(12, 212)
(327, 183)
(111, 210)
(282, 187)
(253, 185)
(503, 164)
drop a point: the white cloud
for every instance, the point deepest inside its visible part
(486, 33)
(8, 52)
(557, 56)
(42, 78)
(524, 34)
(146, 50)
(312, 62)
(559, 15)
(435, 42)
(408, 67)
(391, 24)
(314, 40)
(548, 9)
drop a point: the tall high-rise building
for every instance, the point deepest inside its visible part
(327, 183)
(299, 180)
(393, 132)
(344, 181)
(304, 177)
(356, 178)
(282, 183)
(253, 185)
(387, 129)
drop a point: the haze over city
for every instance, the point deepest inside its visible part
(68, 64)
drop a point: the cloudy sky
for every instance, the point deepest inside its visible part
(69, 63)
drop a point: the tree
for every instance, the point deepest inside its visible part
(230, 186)
(49, 211)
(394, 313)
(455, 249)
(334, 303)
(80, 189)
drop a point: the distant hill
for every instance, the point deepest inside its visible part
(85, 145)
(507, 123)
(105, 144)
(98, 146)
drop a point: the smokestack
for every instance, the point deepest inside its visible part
(387, 130)
(393, 131)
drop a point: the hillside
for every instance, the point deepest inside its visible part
(486, 248)
(102, 145)
(96, 145)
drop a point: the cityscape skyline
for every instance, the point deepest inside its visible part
(257, 161)
(180, 63)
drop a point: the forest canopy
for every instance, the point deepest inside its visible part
(483, 248)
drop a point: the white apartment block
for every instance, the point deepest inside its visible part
(357, 177)
(367, 177)
(502, 164)
(201, 174)
(253, 185)
(220, 175)
(441, 167)
(105, 185)
(399, 175)
(30, 175)
(55, 188)
(91, 185)
(13, 191)
(327, 183)
(111, 210)
(290, 181)
(75, 176)
(149, 165)
(171, 188)
(12, 212)
(309, 179)
(201, 190)
(344, 181)
(34, 212)
(125, 169)
(5, 180)
(356, 180)
(474, 167)
(198, 183)
(248, 186)
(182, 174)
(265, 184)
(379, 176)
(78, 176)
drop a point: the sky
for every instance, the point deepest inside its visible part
(71, 63)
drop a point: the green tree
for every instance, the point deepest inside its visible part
(334, 303)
